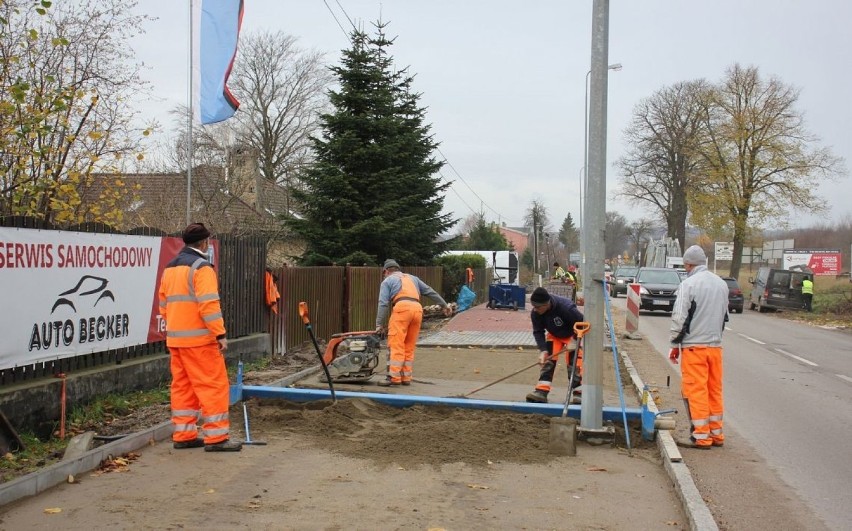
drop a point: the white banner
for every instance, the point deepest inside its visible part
(72, 293)
(724, 251)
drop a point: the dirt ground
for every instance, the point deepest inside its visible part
(359, 464)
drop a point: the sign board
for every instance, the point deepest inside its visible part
(724, 251)
(820, 261)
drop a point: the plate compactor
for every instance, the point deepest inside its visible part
(352, 357)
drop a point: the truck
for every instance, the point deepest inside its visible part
(504, 264)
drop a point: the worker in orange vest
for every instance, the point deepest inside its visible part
(402, 292)
(195, 337)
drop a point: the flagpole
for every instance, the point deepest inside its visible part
(189, 128)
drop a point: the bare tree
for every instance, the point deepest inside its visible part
(638, 232)
(662, 159)
(536, 218)
(615, 234)
(72, 68)
(760, 161)
(282, 89)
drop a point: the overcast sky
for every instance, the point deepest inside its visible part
(503, 80)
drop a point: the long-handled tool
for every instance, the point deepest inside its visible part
(245, 409)
(617, 370)
(306, 318)
(519, 371)
(580, 330)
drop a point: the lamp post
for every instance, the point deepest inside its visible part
(616, 67)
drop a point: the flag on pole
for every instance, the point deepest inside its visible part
(215, 30)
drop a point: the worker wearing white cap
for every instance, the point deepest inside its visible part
(698, 319)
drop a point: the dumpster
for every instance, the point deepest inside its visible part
(506, 296)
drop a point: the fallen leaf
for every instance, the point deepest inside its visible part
(576, 497)
(595, 469)
(474, 486)
(70, 478)
(53, 510)
(475, 371)
(672, 522)
(254, 505)
(209, 491)
(490, 462)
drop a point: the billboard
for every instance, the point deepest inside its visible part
(820, 261)
(71, 293)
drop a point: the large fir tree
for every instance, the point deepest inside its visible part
(373, 192)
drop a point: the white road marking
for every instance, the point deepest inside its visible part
(844, 377)
(799, 358)
(752, 339)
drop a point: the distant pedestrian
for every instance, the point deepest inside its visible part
(553, 318)
(808, 293)
(195, 337)
(558, 272)
(402, 292)
(698, 320)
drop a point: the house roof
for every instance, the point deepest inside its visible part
(159, 200)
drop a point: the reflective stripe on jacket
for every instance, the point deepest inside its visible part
(189, 301)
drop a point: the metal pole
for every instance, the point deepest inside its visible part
(189, 153)
(592, 406)
(583, 193)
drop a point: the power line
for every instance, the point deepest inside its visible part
(499, 215)
(335, 18)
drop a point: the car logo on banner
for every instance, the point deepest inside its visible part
(91, 322)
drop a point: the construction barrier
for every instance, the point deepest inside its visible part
(633, 303)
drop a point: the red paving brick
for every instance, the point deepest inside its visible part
(481, 319)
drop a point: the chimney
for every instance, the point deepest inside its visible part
(245, 181)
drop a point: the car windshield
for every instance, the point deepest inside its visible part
(626, 271)
(659, 277)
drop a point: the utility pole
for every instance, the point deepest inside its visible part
(591, 410)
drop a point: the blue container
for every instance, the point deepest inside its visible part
(506, 296)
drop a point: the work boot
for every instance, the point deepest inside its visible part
(538, 397)
(224, 446)
(183, 445)
(691, 443)
(387, 382)
(717, 443)
(406, 382)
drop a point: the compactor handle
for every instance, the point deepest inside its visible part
(303, 313)
(581, 328)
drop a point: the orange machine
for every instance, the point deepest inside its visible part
(352, 356)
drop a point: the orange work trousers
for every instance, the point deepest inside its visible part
(403, 330)
(701, 385)
(557, 345)
(199, 391)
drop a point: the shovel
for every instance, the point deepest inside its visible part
(563, 430)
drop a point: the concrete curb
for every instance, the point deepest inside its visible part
(697, 512)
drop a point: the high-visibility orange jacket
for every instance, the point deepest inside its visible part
(272, 295)
(189, 301)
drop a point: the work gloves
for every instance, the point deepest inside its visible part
(380, 332)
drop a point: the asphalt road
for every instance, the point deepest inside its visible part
(788, 391)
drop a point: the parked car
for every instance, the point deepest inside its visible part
(774, 289)
(657, 288)
(735, 295)
(624, 275)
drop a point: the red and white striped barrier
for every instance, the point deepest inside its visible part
(633, 303)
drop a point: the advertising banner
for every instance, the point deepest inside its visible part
(71, 293)
(820, 261)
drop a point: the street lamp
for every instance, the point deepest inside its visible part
(616, 67)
